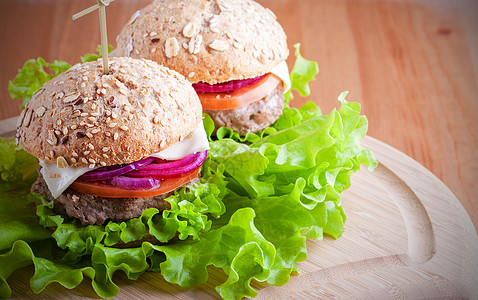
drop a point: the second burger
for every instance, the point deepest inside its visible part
(233, 52)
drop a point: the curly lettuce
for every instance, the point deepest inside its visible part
(260, 198)
(32, 76)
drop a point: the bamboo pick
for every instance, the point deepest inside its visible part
(101, 6)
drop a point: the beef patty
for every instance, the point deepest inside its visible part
(253, 117)
(97, 210)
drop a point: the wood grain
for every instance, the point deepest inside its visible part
(412, 64)
(406, 237)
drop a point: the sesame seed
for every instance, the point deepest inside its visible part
(105, 156)
(161, 144)
(73, 160)
(95, 114)
(171, 47)
(65, 130)
(108, 113)
(163, 122)
(93, 106)
(92, 161)
(84, 160)
(61, 162)
(73, 127)
(190, 75)
(195, 44)
(236, 45)
(112, 125)
(190, 30)
(90, 146)
(219, 45)
(90, 125)
(52, 140)
(84, 114)
(28, 118)
(130, 117)
(108, 133)
(89, 135)
(91, 119)
(103, 163)
(85, 78)
(71, 98)
(60, 95)
(75, 114)
(105, 149)
(114, 115)
(91, 166)
(86, 152)
(57, 132)
(156, 120)
(115, 136)
(124, 127)
(41, 111)
(74, 154)
(83, 85)
(95, 131)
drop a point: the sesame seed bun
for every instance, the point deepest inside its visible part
(83, 118)
(207, 41)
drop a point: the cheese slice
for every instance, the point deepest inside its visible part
(282, 71)
(194, 142)
(59, 179)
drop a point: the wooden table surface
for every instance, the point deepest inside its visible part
(413, 65)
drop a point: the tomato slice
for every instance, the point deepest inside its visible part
(240, 97)
(109, 191)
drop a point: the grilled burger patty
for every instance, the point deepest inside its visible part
(97, 210)
(254, 117)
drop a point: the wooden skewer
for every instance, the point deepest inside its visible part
(101, 6)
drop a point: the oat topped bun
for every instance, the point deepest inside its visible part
(83, 118)
(210, 41)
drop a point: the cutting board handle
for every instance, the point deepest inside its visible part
(421, 239)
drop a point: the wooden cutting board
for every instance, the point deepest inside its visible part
(407, 237)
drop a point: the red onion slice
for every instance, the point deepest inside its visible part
(175, 163)
(108, 174)
(158, 171)
(224, 87)
(131, 183)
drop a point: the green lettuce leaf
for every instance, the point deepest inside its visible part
(302, 73)
(233, 220)
(95, 56)
(32, 77)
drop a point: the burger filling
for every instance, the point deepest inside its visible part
(91, 209)
(59, 179)
(122, 192)
(251, 118)
(239, 93)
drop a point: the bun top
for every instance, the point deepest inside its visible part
(85, 118)
(210, 41)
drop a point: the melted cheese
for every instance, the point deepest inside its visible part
(282, 71)
(58, 180)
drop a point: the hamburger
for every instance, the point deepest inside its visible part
(111, 146)
(233, 52)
